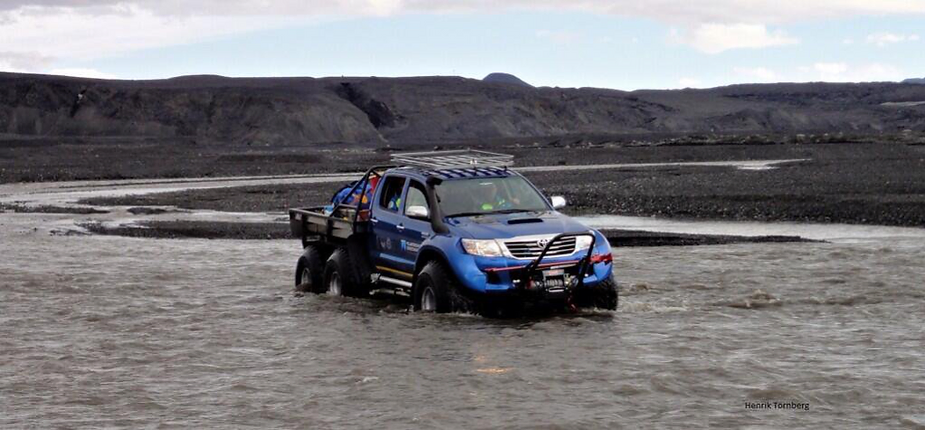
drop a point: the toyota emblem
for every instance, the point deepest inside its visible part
(542, 243)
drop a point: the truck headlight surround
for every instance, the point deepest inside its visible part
(482, 247)
(583, 242)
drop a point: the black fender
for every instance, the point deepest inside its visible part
(430, 253)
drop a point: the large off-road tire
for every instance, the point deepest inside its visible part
(604, 295)
(309, 271)
(340, 276)
(436, 290)
(359, 263)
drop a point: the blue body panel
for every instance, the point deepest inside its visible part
(399, 243)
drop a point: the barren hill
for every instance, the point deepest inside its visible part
(505, 78)
(433, 109)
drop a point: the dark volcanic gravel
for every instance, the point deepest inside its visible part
(853, 183)
(263, 231)
(262, 198)
(196, 230)
(141, 210)
(881, 184)
(65, 159)
(75, 158)
(630, 238)
(52, 209)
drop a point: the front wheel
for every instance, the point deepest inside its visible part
(603, 295)
(436, 290)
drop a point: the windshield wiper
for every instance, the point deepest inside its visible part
(511, 211)
(467, 214)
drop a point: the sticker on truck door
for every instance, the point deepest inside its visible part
(412, 247)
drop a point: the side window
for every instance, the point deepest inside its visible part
(391, 193)
(417, 196)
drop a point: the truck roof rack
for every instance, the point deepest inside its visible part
(456, 159)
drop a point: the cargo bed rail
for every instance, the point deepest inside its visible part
(313, 224)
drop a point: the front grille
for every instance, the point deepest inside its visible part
(530, 249)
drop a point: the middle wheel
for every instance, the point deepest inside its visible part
(338, 276)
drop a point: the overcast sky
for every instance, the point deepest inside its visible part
(623, 44)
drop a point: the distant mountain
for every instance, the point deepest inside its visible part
(914, 81)
(505, 78)
(434, 109)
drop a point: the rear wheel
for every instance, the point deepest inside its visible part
(335, 284)
(309, 271)
(602, 296)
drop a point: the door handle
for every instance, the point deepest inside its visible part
(400, 227)
(373, 220)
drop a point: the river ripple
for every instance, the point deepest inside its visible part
(119, 332)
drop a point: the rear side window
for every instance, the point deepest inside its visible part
(391, 193)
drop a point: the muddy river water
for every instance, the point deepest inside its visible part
(118, 332)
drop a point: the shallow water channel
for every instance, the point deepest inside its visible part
(118, 332)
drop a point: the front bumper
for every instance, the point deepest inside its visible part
(545, 276)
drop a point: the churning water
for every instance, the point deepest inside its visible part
(119, 332)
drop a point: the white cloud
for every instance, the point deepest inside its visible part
(828, 70)
(178, 8)
(45, 38)
(79, 34)
(844, 72)
(690, 83)
(757, 74)
(883, 39)
(715, 38)
(82, 73)
(676, 11)
(559, 36)
(69, 31)
(23, 61)
(822, 72)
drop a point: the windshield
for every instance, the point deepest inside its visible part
(478, 196)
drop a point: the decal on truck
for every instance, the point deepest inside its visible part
(412, 247)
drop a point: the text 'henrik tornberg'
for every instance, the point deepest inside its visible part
(776, 405)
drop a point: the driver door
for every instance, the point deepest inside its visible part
(415, 225)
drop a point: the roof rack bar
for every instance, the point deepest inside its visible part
(455, 159)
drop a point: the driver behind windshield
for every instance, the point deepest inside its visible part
(472, 197)
(489, 199)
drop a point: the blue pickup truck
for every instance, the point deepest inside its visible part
(457, 231)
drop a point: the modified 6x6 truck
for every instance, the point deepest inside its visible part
(457, 231)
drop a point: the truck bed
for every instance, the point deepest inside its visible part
(311, 223)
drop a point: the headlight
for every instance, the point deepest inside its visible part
(484, 248)
(583, 242)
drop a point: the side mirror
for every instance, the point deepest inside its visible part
(419, 212)
(558, 202)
